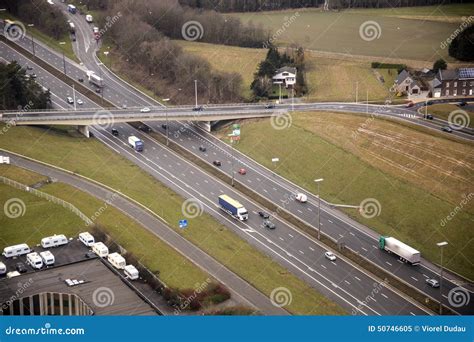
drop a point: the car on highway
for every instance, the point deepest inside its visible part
(462, 104)
(79, 102)
(217, 163)
(115, 132)
(447, 129)
(202, 148)
(429, 103)
(69, 100)
(432, 282)
(97, 90)
(264, 214)
(145, 110)
(80, 79)
(429, 116)
(330, 256)
(29, 67)
(33, 75)
(269, 224)
(198, 108)
(269, 106)
(164, 126)
(302, 198)
(242, 171)
(20, 267)
(410, 104)
(124, 106)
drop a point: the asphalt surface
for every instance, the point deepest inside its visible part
(338, 280)
(242, 291)
(333, 223)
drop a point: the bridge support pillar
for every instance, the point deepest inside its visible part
(205, 125)
(84, 130)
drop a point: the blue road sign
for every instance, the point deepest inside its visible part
(183, 223)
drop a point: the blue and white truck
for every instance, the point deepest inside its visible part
(136, 143)
(233, 208)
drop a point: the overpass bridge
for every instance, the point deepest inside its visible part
(97, 116)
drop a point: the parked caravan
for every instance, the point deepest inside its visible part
(48, 258)
(117, 260)
(87, 239)
(54, 241)
(3, 268)
(131, 272)
(100, 249)
(12, 251)
(34, 260)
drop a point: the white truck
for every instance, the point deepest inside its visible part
(233, 208)
(94, 79)
(405, 253)
(136, 143)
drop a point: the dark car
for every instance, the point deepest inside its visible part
(144, 128)
(97, 90)
(198, 108)
(80, 79)
(20, 267)
(269, 224)
(217, 163)
(264, 214)
(462, 104)
(29, 67)
(429, 103)
(33, 76)
(429, 117)
(164, 126)
(90, 255)
(202, 148)
(447, 129)
(115, 132)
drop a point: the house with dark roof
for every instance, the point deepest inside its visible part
(406, 84)
(454, 82)
(285, 76)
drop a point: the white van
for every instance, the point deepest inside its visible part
(100, 249)
(87, 239)
(117, 260)
(34, 260)
(48, 258)
(3, 268)
(131, 272)
(89, 18)
(54, 241)
(12, 251)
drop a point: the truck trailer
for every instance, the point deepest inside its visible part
(405, 253)
(94, 79)
(136, 143)
(233, 208)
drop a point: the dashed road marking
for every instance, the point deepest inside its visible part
(388, 263)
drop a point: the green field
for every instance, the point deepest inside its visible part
(43, 218)
(418, 179)
(90, 158)
(399, 38)
(328, 79)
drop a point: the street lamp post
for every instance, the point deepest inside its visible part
(32, 40)
(74, 96)
(196, 92)
(319, 180)
(274, 162)
(441, 245)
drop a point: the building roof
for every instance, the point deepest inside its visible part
(466, 73)
(435, 83)
(402, 76)
(448, 75)
(286, 69)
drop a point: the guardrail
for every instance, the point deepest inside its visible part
(48, 197)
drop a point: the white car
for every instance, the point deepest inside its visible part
(145, 110)
(301, 198)
(80, 102)
(69, 100)
(330, 256)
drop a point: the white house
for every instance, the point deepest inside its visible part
(285, 76)
(406, 84)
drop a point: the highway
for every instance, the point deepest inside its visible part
(340, 281)
(334, 225)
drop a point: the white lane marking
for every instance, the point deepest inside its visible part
(301, 252)
(311, 248)
(290, 235)
(323, 266)
(411, 313)
(347, 282)
(352, 233)
(330, 221)
(310, 209)
(388, 263)
(357, 278)
(383, 295)
(424, 275)
(365, 249)
(281, 238)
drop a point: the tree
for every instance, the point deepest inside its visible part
(462, 47)
(440, 64)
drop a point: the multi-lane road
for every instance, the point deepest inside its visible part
(304, 256)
